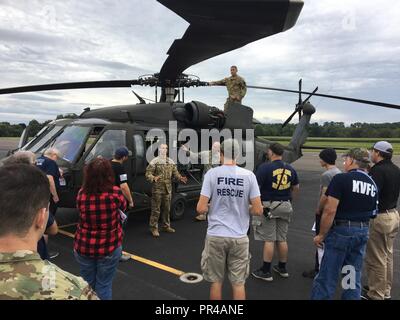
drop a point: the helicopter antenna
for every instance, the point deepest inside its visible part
(141, 101)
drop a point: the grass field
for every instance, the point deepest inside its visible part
(340, 142)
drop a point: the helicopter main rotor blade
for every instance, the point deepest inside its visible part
(311, 94)
(300, 90)
(374, 103)
(219, 26)
(290, 117)
(71, 85)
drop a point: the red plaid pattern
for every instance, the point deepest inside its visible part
(99, 230)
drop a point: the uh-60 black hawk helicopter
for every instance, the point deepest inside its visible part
(216, 27)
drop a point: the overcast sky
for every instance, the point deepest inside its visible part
(349, 48)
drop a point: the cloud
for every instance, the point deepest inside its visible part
(34, 97)
(348, 48)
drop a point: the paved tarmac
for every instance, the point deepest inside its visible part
(182, 251)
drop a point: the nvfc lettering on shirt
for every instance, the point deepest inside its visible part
(228, 187)
(363, 187)
(282, 177)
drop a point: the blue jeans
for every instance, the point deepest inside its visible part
(99, 272)
(344, 251)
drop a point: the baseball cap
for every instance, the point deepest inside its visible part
(121, 152)
(383, 146)
(359, 154)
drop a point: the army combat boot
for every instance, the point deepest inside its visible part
(168, 229)
(155, 233)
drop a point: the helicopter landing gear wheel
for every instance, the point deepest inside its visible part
(178, 206)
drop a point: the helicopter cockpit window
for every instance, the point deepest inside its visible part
(94, 134)
(69, 142)
(139, 146)
(140, 152)
(110, 141)
(41, 140)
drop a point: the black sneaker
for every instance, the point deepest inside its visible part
(53, 254)
(309, 274)
(260, 274)
(281, 271)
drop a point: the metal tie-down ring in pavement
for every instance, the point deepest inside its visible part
(191, 278)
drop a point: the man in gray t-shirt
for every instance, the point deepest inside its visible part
(209, 159)
(229, 189)
(328, 162)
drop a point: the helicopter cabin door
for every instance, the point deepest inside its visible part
(105, 143)
(140, 187)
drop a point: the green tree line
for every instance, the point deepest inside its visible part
(334, 130)
(15, 130)
(327, 129)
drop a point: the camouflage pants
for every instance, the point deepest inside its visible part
(160, 201)
(229, 102)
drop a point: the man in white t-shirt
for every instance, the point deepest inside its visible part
(230, 189)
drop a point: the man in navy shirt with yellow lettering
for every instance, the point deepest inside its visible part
(352, 201)
(278, 183)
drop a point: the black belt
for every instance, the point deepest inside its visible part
(388, 211)
(348, 223)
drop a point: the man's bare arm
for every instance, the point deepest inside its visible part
(126, 191)
(327, 219)
(295, 191)
(53, 189)
(202, 205)
(322, 201)
(256, 207)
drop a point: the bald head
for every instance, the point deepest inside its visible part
(216, 147)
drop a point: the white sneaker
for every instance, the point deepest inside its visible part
(201, 217)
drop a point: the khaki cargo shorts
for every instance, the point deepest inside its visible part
(229, 255)
(270, 230)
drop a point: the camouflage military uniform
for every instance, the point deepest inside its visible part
(25, 276)
(162, 189)
(236, 87)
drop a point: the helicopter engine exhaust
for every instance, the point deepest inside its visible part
(200, 115)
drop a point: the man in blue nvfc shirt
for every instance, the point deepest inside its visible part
(278, 181)
(47, 163)
(351, 203)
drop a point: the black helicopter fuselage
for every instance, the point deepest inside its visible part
(100, 132)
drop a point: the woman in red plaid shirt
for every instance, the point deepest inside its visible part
(98, 239)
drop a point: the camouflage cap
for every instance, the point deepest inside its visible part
(358, 154)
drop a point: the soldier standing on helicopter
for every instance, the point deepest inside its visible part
(235, 85)
(159, 172)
